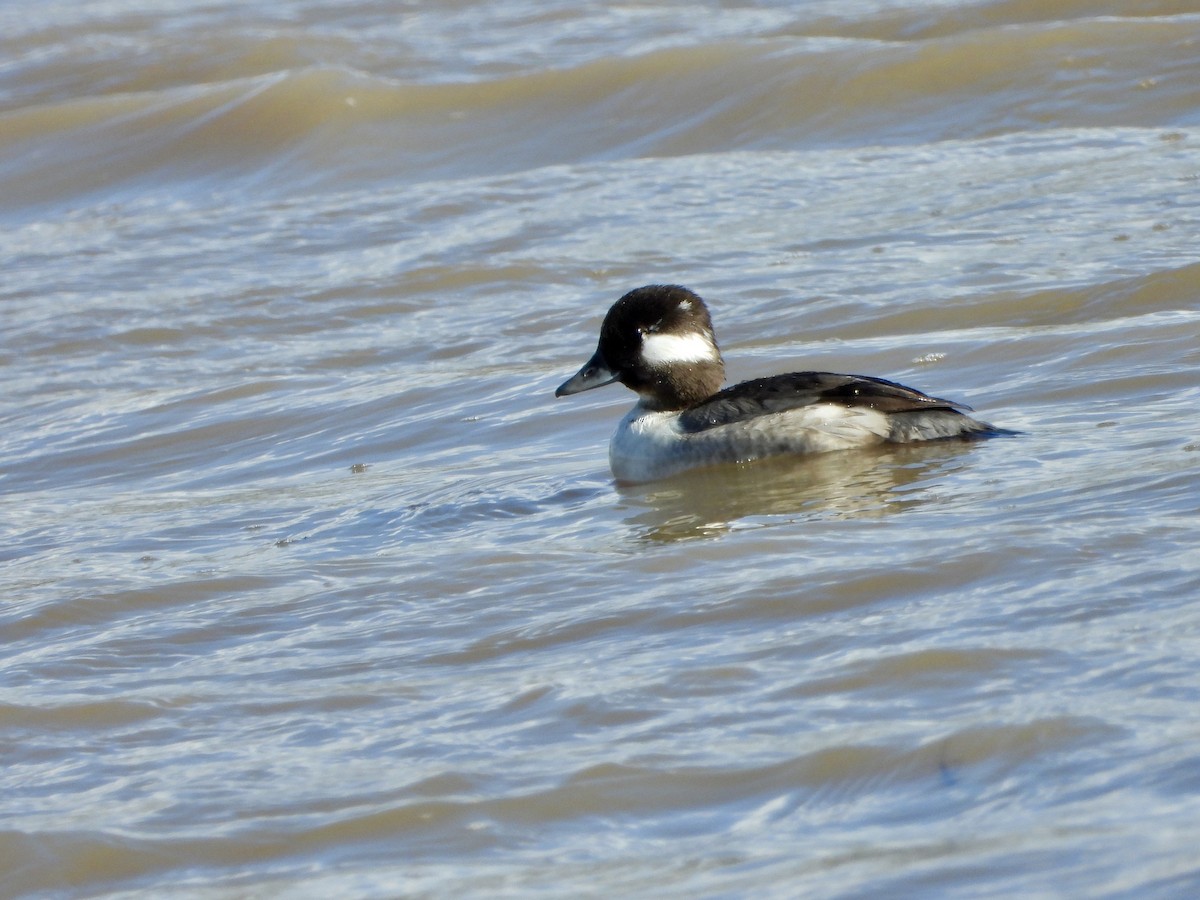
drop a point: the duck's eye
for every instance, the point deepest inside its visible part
(650, 329)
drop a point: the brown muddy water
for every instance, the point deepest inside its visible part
(311, 589)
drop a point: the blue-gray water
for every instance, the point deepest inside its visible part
(311, 588)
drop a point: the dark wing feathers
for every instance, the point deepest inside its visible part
(778, 393)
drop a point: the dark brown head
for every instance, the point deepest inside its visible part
(658, 341)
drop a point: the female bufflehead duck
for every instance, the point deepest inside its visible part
(658, 341)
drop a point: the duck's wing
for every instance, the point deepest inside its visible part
(779, 393)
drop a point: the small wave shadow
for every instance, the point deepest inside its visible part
(872, 482)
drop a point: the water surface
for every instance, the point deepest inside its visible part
(313, 589)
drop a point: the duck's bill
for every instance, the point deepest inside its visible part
(595, 373)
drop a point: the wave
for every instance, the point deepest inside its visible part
(322, 124)
(921, 23)
(462, 812)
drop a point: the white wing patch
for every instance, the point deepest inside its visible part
(667, 349)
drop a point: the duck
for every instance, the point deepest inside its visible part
(658, 341)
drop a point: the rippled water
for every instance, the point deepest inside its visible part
(313, 589)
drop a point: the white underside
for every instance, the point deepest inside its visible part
(649, 445)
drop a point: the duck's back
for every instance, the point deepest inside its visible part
(796, 413)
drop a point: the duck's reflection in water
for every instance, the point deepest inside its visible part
(872, 482)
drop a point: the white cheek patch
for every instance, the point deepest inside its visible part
(667, 349)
